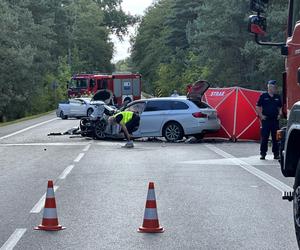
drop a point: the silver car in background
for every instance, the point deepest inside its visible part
(77, 107)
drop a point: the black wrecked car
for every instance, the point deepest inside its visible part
(96, 125)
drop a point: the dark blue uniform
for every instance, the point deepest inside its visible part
(270, 109)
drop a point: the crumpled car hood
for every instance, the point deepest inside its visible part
(104, 95)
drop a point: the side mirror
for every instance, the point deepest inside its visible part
(257, 25)
(258, 5)
(298, 80)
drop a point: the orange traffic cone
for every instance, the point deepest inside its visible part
(50, 220)
(151, 223)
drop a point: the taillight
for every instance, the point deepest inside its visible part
(200, 115)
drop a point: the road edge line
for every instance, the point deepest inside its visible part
(277, 184)
(13, 239)
(28, 128)
(37, 208)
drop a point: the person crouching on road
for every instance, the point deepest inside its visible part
(129, 122)
(268, 109)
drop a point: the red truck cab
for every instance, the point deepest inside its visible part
(289, 136)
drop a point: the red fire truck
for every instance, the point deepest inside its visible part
(289, 136)
(124, 86)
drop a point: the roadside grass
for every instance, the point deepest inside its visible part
(2, 124)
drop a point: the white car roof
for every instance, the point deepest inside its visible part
(84, 98)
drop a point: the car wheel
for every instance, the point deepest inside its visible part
(199, 136)
(89, 112)
(296, 203)
(62, 115)
(100, 128)
(173, 131)
(85, 128)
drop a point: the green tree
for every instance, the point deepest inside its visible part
(44, 42)
(148, 47)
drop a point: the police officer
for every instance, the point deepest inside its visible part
(268, 109)
(129, 122)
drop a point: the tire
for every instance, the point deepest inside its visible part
(173, 131)
(62, 115)
(199, 136)
(100, 128)
(296, 203)
(85, 130)
(89, 112)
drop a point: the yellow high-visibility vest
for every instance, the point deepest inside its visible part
(127, 116)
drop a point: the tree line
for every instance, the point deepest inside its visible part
(181, 41)
(44, 42)
(176, 43)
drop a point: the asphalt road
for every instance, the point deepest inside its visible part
(210, 195)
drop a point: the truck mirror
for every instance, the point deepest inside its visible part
(258, 5)
(298, 80)
(257, 25)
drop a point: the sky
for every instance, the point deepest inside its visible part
(134, 7)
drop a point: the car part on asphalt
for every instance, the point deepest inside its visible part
(199, 136)
(72, 131)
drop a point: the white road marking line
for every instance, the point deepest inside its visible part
(28, 128)
(258, 173)
(79, 157)
(43, 144)
(13, 239)
(65, 173)
(87, 147)
(39, 205)
(252, 160)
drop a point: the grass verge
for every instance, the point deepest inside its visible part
(2, 124)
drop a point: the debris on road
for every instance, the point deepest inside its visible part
(72, 131)
(192, 140)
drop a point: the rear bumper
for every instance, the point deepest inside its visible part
(209, 126)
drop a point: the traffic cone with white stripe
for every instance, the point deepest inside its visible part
(151, 222)
(50, 220)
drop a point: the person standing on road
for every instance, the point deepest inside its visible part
(268, 109)
(175, 94)
(129, 122)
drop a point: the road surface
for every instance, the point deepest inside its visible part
(210, 195)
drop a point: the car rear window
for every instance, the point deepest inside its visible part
(201, 105)
(178, 105)
(157, 106)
